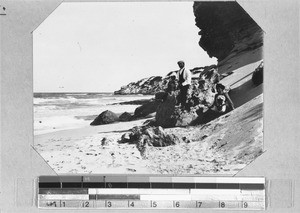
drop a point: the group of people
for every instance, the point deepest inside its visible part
(182, 81)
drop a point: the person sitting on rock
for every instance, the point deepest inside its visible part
(222, 102)
(172, 84)
(207, 93)
(184, 80)
(212, 75)
(171, 87)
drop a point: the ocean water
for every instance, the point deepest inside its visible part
(60, 111)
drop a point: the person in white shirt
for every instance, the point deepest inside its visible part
(184, 80)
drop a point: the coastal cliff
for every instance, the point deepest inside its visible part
(227, 32)
(226, 29)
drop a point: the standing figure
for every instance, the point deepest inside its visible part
(184, 81)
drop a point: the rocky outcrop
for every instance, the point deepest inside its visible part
(146, 86)
(146, 109)
(150, 122)
(149, 136)
(185, 117)
(226, 29)
(156, 84)
(257, 76)
(126, 116)
(105, 117)
(200, 99)
(165, 111)
(160, 96)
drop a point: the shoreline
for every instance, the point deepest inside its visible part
(83, 150)
(81, 114)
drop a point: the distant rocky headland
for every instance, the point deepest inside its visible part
(155, 84)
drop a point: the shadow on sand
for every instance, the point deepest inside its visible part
(245, 92)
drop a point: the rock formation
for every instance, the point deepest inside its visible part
(155, 84)
(257, 76)
(146, 109)
(226, 28)
(146, 86)
(165, 111)
(105, 117)
(126, 116)
(149, 136)
(170, 115)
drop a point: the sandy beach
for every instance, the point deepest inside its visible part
(223, 146)
(80, 150)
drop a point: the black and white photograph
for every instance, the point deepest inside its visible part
(148, 88)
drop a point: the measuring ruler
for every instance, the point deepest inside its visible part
(161, 192)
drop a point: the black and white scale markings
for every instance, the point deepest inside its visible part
(151, 192)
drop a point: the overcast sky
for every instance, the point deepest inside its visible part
(100, 46)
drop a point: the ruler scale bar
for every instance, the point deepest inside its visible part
(151, 192)
(50, 185)
(154, 185)
(64, 197)
(115, 185)
(139, 191)
(151, 204)
(184, 185)
(48, 179)
(160, 185)
(117, 196)
(139, 185)
(71, 185)
(93, 185)
(63, 191)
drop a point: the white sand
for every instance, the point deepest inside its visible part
(80, 150)
(223, 146)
